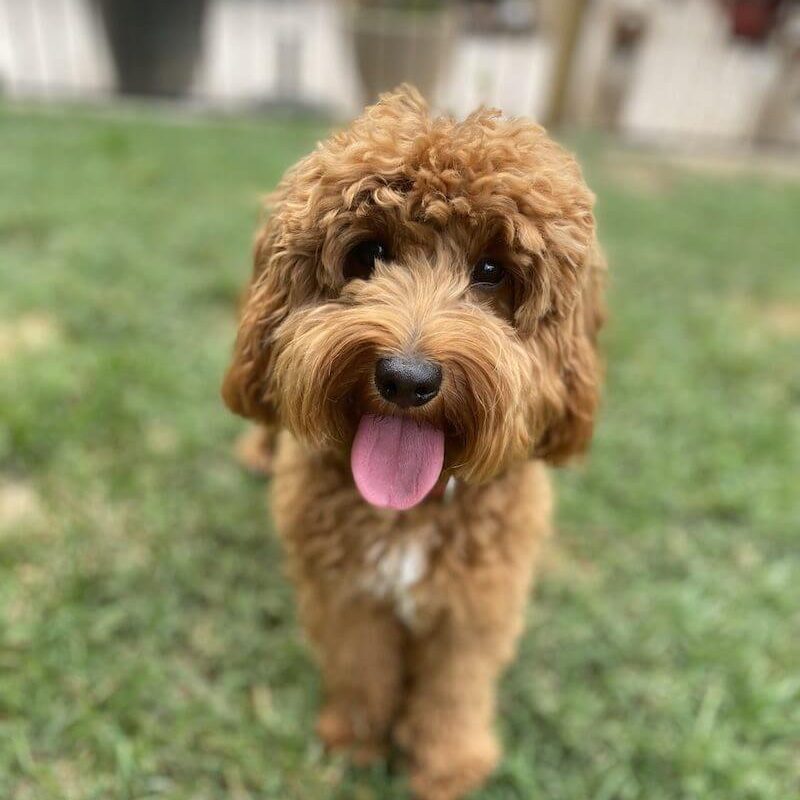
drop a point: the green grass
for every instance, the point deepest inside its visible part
(148, 645)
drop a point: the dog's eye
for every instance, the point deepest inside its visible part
(360, 261)
(487, 273)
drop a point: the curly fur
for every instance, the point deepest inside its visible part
(412, 615)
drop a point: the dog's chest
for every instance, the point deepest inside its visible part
(392, 571)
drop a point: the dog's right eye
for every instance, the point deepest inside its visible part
(360, 261)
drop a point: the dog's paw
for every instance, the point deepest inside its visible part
(450, 771)
(339, 734)
(334, 729)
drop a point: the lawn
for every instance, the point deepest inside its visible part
(148, 645)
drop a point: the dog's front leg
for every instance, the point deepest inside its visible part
(447, 728)
(358, 645)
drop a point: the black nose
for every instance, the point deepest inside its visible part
(408, 380)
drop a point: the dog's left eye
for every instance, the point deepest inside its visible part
(360, 261)
(487, 273)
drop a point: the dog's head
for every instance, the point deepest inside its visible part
(426, 292)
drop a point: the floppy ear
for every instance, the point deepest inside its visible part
(579, 371)
(246, 388)
(286, 256)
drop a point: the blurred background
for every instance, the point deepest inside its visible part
(671, 71)
(148, 646)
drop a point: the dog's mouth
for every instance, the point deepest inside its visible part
(396, 461)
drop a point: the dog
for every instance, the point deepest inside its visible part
(421, 328)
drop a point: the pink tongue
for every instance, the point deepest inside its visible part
(396, 461)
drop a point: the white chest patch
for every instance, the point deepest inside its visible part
(392, 571)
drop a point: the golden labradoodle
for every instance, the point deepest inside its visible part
(420, 325)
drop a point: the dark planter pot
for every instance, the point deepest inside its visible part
(393, 47)
(155, 44)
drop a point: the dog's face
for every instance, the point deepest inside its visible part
(425, 293)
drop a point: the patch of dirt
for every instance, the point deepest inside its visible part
(778, 317)
(784, 318)
(639, 175)
(70, 780)
(774, 165)
(161, 439)
(778, 165)
(30, 575)
(19, 503)
(261, 700)
(30, 333)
